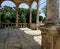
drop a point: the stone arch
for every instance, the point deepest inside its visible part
(10, 5)
(24, 7)
(24, 4)
(9, 2)
(34, 8)
(34, 2)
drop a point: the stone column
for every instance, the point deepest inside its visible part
(52, 12)
(59, 8)
(49, 32)
(16, 15)
(30, 18)
(0, 16)
(37, 17)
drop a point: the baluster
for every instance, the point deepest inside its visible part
(21, 25)
(24, 25)
(8, 25)
(18, 25)
(4, 25)
(11, 26)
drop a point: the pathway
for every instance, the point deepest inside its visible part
(22, 38)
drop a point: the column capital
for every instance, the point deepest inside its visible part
(30, 5)
(17, 4)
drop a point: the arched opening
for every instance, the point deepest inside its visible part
(34, 11)
(23, 5)
(42, 11)
(8, 3)
(8, 14)
(23, 13)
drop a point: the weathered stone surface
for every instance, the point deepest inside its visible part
(18, 39)
(52, 12)
(50, 38)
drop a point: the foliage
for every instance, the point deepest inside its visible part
(9, 15)
(44, 19)
(34, 14)
(26, 14)
(40, 18)
(22, 15)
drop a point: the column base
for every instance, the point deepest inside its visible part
(0, 25)
(32, 26)
(50, 23)
(50, 37)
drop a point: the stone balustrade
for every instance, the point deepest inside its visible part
(12, 25)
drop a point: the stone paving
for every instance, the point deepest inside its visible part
(22, 38)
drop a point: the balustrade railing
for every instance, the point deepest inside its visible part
(23, 25)
(13, 25)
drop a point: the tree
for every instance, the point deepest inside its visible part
(27, 15)
(22, 19)
(40, 18)
(7, 14)
(44, 19)
(34, 14)
(45, 12)
(22, 15)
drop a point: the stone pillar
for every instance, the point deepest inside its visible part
(59, 8)
(0, 16)
(52, 12)
(16, 15)
(50, 33)
(30, 18)
(37, 17)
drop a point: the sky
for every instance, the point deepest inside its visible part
(11, 4)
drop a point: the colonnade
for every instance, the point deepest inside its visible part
(30, 17)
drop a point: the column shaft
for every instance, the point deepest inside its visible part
(30, 18)
(37, 17)
(17, 17)
(52, 12)
(0, 17)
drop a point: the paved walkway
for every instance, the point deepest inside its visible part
(22, 38)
